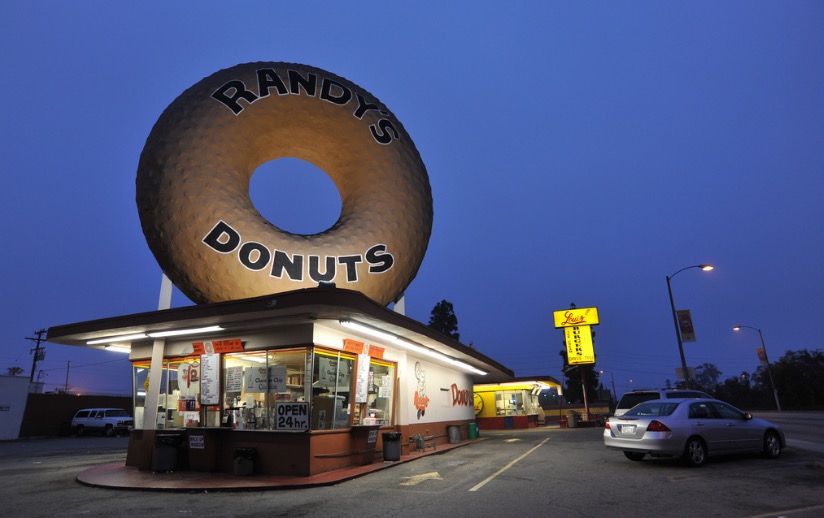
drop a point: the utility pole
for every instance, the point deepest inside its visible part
(39, 352)
(66, 388)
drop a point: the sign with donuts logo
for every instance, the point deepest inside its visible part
(195, 170)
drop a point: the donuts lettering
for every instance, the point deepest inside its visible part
(195, 170)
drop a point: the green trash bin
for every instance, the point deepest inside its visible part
(473, 430)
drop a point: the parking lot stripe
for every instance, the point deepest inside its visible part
(490, 477)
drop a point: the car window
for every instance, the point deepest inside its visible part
(653, 408)
(82, 414)
(117, 413)
(686, 393)
(727, 412)
(702, 410)
(629, 400)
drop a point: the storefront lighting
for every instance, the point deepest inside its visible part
(409, 345)
(368, 330)
(179, 332)
(119, 338)
(119, 348)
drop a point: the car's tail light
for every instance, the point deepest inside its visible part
(657, 426)
(606, 425)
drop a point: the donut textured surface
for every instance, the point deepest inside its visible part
(195, 170)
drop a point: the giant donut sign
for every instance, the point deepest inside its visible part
(195, 170)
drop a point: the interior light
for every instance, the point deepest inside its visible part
(179, 332)
(119, 338)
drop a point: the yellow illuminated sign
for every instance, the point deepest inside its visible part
(576, 317)
(579, 345)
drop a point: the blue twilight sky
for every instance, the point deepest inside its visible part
(578, 152)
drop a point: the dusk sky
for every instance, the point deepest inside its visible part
(578, 152)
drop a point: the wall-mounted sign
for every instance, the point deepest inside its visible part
(576, 317)
(352, 346)
(579, 345)
(217, 346)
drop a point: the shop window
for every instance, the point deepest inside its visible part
(509, 402)
(380, 395)
(331, 390)
(177, 402)
(254, 382)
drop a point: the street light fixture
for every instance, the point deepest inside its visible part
(767, 361)
(706, 268)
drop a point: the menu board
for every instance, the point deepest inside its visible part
(362, 384)
(209, 379)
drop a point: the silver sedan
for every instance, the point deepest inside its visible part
(693, 429)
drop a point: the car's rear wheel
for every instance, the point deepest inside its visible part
(634, 455)
(772, 445)
(109, 431)
(81, 430)
(695, 453)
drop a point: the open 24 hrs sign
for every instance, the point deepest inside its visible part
(292, 416)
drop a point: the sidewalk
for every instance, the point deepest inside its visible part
(119, 476)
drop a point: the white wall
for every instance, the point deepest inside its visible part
(14, 391)
(436, 393)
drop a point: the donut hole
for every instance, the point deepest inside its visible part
(295, 196)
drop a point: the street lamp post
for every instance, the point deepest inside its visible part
(706, 268)
(767, 360)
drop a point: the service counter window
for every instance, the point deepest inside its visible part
(331, 389)
(509, 402)
(379, 405)
(177, 404)
(254, 382)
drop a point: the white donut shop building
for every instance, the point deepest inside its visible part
(273, 371)
(298, 383)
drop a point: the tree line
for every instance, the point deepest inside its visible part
(798, 377)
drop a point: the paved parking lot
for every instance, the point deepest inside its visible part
(540, 472)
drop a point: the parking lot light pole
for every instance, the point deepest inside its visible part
(706, 268)
(767, 361)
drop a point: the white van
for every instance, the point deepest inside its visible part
(108, 421)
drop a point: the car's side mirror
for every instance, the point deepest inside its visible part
(747, 416)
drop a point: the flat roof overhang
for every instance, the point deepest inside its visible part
(323, 305)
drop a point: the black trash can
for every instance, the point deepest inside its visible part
(166, 450)
(391, 446)
(245, 461)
